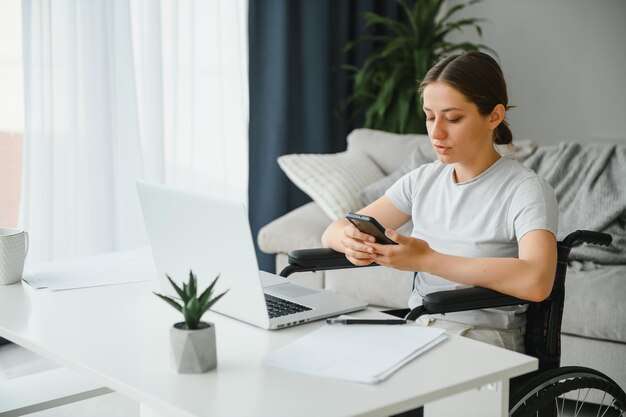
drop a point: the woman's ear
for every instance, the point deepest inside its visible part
(497, 116)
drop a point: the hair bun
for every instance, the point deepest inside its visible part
(503, 134)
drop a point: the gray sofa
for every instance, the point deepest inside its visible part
(594, 322)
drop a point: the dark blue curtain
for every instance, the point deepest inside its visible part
(296, 87)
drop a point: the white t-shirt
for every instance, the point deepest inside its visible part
(479, 218)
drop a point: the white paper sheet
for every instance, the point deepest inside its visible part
(103, 269)
(360, 353)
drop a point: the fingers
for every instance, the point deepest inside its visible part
(356, 251)
(386, 255)
(359, 262)
(381, 250)
(355, 233)
(358, 257)
(382, 261)
(396, 237)
(355, 243)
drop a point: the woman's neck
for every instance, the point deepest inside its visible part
(467, 170)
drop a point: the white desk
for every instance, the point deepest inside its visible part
(118, 336)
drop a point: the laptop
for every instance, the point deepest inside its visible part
(211, 236)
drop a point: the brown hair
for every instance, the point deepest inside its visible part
(479, 78)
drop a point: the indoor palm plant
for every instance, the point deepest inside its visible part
(385, 86)
(193, 340)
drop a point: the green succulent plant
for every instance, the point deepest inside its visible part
(385, 86)
(192, 307)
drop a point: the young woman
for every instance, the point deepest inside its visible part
(479, 219)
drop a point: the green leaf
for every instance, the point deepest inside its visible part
(464, 46)
(350, 68)
(452, 11)
(191, 312)
(457, 26)
(372, 19)
(369, 118)
(178, 290)
(426, 16)
(208, 304)
(404, 103)
(170, 301)
(486, 48)
(394, 46)
(193, 285)
(207, 293)
(385, 95)
(410, 15)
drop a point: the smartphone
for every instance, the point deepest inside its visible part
(369, 225)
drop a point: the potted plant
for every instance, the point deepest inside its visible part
(193, 340)
(385, 86)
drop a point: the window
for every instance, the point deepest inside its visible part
(11, 110)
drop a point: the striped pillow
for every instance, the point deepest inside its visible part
(333, 181)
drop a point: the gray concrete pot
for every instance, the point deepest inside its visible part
(194, 351)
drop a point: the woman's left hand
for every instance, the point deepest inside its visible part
(410, 254)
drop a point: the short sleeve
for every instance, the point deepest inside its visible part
(533, 207)
(402, 192)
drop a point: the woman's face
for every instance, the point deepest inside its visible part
(457, 131)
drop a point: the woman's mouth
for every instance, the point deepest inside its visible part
(441, 149)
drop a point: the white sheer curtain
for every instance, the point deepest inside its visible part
(123, 89)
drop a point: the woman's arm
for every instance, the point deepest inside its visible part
(342, 236)
(529, 277)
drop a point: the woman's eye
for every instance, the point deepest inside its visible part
(432, 119)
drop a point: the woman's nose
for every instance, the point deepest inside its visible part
(436, 130)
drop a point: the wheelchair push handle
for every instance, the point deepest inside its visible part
(587, 236)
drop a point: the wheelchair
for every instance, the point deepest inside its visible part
(551, 390)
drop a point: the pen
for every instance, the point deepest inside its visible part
(364, 321)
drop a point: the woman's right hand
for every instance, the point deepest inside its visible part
(342, 236)
(354, 247)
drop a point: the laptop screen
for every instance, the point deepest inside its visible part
(210, 236)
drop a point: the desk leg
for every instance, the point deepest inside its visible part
(491, 400)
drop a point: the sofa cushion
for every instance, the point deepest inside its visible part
(333, 181)
(388, 150)
(301, 228)
(594, 303)
(375, 190)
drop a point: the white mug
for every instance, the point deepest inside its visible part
(13, 250)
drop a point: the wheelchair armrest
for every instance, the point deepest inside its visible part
(319, 259)
(474, 298)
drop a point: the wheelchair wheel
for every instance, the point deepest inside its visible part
(568, 391)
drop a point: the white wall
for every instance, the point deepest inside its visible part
(565, 65)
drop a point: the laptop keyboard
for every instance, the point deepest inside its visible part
(277, 307)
